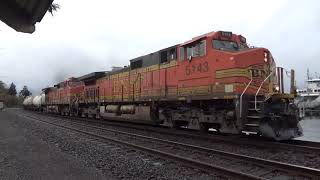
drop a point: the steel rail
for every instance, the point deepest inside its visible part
(188, 161)
(305, 146)
(293, 169)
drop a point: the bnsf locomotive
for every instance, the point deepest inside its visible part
(212, 81)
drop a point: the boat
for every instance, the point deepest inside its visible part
(308, 99)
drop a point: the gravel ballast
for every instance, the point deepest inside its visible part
(292, 156)
(110, 160)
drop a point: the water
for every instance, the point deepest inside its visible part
(311, 129)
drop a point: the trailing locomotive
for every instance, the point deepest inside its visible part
(212, 81)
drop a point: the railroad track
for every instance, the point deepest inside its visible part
(300, 155)
(231, 164)
(315, 145)
(296, 145)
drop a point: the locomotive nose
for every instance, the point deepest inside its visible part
(254, 55)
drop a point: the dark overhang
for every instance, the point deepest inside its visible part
(22, 15)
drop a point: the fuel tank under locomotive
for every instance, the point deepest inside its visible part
(129, 112)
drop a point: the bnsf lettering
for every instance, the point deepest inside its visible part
(201, 68)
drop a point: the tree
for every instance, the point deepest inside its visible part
(25, 92)
(8, 99)
(12, 90)
(3, 89)
(2, 85)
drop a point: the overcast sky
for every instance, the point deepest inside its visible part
(86, 36)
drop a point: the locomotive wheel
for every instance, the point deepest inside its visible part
(97, 116)
(204, 127)
(76, 113)
(170, 123)
(174, 125)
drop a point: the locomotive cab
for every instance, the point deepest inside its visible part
(232, 83)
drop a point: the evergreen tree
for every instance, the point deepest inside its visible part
(9, 100)
(2, 85)
(25, 92)
(12, 90)
(3, 89)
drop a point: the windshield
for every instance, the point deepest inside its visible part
(225, 45)
(243, 46)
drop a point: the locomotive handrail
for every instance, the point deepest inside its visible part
(243, 93)
(255, 97)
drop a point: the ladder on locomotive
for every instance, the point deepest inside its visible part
(254, 114)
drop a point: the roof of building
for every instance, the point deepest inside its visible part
(22, 15)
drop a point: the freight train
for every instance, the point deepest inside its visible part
(213, 81)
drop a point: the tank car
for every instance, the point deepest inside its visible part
(28, 102)
(213, 81)
(38, 102)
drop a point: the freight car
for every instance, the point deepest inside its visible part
(212, 81)
(35, 103)
(28, 102)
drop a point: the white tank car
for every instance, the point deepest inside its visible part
(39, 100)
(28, 101)
(36, 102)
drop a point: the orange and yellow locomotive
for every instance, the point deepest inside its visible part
(212, 81)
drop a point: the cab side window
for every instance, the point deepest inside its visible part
(168, 55)
(196, 49)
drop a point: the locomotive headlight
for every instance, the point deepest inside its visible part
(265, 56)
(277, 88)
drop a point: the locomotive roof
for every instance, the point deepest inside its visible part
(126, 68)
(22, 15)
(152, 54)
(198, 38)
(91, 76)
(46, 90)
(149, 59)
